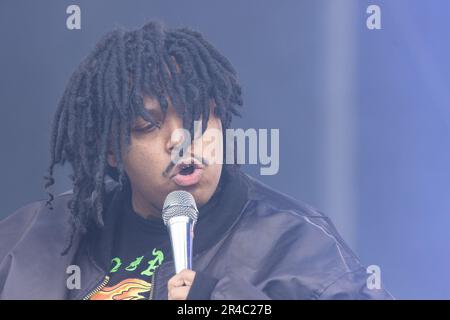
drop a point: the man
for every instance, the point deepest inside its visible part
(115, 125)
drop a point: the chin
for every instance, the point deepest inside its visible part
(200, 196)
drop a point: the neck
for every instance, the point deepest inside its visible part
(144, 208)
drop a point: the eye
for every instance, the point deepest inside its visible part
(148, 127)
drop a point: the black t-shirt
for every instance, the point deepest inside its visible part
(140, 247)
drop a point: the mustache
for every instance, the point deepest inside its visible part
(171, 165)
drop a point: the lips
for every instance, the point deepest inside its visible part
(187, 173)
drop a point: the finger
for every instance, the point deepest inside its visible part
(184, 278)
(187, 276)
(179, 293)
(175, 281)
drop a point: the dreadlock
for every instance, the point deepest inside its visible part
(105, 95)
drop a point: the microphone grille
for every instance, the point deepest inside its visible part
(179, 203)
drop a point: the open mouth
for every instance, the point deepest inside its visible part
(187, 173)
(187, 169)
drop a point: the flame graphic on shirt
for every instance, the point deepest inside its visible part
(128, 289)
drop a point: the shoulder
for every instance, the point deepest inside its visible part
(292, 215)
(36, 224)
(302, 240)
(33, 218)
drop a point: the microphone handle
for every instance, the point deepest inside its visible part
(181, 237)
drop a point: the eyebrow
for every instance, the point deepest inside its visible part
(154, 113)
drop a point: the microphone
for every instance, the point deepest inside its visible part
(180, 215)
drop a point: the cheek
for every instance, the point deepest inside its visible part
(212, 142)
(215, 122)
(213, 147)
(143, 159)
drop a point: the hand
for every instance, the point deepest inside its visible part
(179, 285)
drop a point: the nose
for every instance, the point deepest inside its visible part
(176, 139)
(176, 134)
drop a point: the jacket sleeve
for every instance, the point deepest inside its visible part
(350, 286)
(15, 225)
(206, 287)
(353, 286)
(12, 229)
(234, 287)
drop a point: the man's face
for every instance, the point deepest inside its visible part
(150, 169)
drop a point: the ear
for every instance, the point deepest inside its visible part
(111, 159)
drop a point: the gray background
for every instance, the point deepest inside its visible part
(363, 115)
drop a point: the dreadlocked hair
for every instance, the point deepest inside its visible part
(105, 95)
